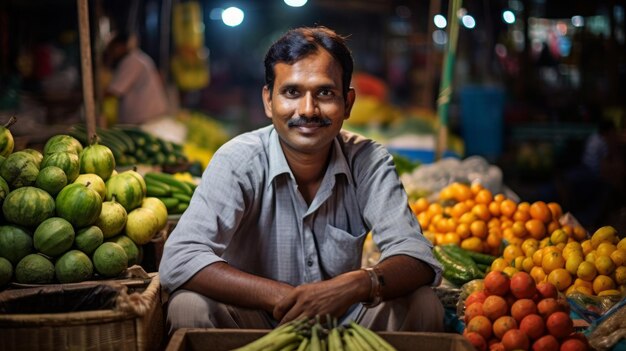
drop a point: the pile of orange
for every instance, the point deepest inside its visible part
(477, 220)
(518, 314)
(594, 266)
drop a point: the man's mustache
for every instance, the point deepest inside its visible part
(315, 121)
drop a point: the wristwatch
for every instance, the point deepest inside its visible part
(378, 282)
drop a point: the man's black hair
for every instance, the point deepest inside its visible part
(300, 42)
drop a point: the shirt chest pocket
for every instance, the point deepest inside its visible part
(340, 251)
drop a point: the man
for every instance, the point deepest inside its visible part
(275, 229)
(135, 82)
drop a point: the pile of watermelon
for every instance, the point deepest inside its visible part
(67, 214)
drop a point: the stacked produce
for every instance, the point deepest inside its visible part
(472, 217)
(518, 314)
(571, 262)
(67, 214)
(303, 334)
(461, 266)
(131, 145)
(173, 192)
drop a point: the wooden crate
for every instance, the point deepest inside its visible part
(228, 339)
(133, 323)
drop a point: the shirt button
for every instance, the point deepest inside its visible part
(309, 263)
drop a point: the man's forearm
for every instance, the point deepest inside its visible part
(227, 284)
(403, 274)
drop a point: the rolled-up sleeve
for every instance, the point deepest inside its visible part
(384, 204)
(207, 226)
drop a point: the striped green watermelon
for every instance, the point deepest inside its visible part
(34, 269)
(19, 169)
(53, 236)
(79, 205)
(97, 159)
(37, 156)
(28, 206)
(62, 143)
(4, 190)
(94, 182)
(126, 189)
(15, 243)
(110, 259)
(73, 267)
(51, 179)
(88, 239)
(67, 161)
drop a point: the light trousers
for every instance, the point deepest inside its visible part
(420, 310)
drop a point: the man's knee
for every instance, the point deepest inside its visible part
(426, 310)
(187, 309)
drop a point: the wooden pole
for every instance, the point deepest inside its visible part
(445, 88)
(87, 73)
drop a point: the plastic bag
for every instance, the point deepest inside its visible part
(608, 330)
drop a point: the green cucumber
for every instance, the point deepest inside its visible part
(170, 203)
(183, 198)
(158, 191)
(171, 181)
(181, 207)
(453, 271)
(462, 256)
(481, 258)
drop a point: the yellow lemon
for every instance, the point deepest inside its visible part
(604, 265)
(510, 271)
(603, 234)
(622, 244)
(499, 264)
(538, 274)
(517, 262)
(620, 275)
(528, 264)
(570, 249)
(586, 271)
(560, 278)
(591, 257)
(558, 236)
(572, 263)
(545, 242)
(511, 252)
(586, 246)
(528, 245)
(602, 283)
(537, 257)
(605, 249)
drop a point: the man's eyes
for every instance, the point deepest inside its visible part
(293, 92)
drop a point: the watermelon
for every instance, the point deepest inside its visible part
(19, 169)
(126, 189)
(4, 190)
(37, 156)
(112, 218)
(67, 161)
(6, 271)
(7, 143)
(53, 236)
(73, 267)
(97, 159)
(132, 251)
(28, 206)
(62, 143)
(51, 179)
(94, 182)
(139, 178)
(15, 243)
(158, 207)
(110, 259)
(88, 239)
(79, 205)
(34, 269)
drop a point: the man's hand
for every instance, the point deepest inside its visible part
(332, 297)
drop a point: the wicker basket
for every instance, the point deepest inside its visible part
(135, 323)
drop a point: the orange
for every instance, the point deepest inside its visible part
(528, 245)
(511, 252)
(479, 229)
(494, 222)
(499, 197)
(551, 261)
(508, 208)
(556, 210)
(439, 238)
(620, 275)
(516, 241)
(591, 257)
(435, 208)
(446, 193)
(618, 257)
(461, 192)
(545, 242)
(519, 229)
(463, 230)
(476, 188)
(572, 263)
(580, 282)
(560, 278)
(539, 210)
(484, 196)
(424, 219)
(554, 225)
(517, 262)
(538, 257)
(523, 206)
(482, 212)
(494, 208)
(602, 283)
(527, 264)
(472, 244)
(538, 274)
(605, 249)
(468, 218)
(510, 271)
(505, 223)
(431, 236)
(420, 205)
(610, 292)
(470, 203)
(451, 238)
(586, 246)
(520, 215)
(579, 233)
(459, 209)
(586, 271)
(622, 244)
(499, 264)
(494, 240)
(536, 229)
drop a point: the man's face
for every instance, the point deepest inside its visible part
(307, 106)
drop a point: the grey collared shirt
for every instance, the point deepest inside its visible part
(247, 211)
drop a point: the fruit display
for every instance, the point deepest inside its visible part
(69, 216)
(515, 313)
(174, 192)
(572, 262)
(131, 145)
(472, 217)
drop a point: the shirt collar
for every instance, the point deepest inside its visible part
(278, 163)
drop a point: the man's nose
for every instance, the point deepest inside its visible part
(308, 106)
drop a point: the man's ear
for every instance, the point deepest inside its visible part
(267, 101)
(349, 103)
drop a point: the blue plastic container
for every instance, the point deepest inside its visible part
(482, 120)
